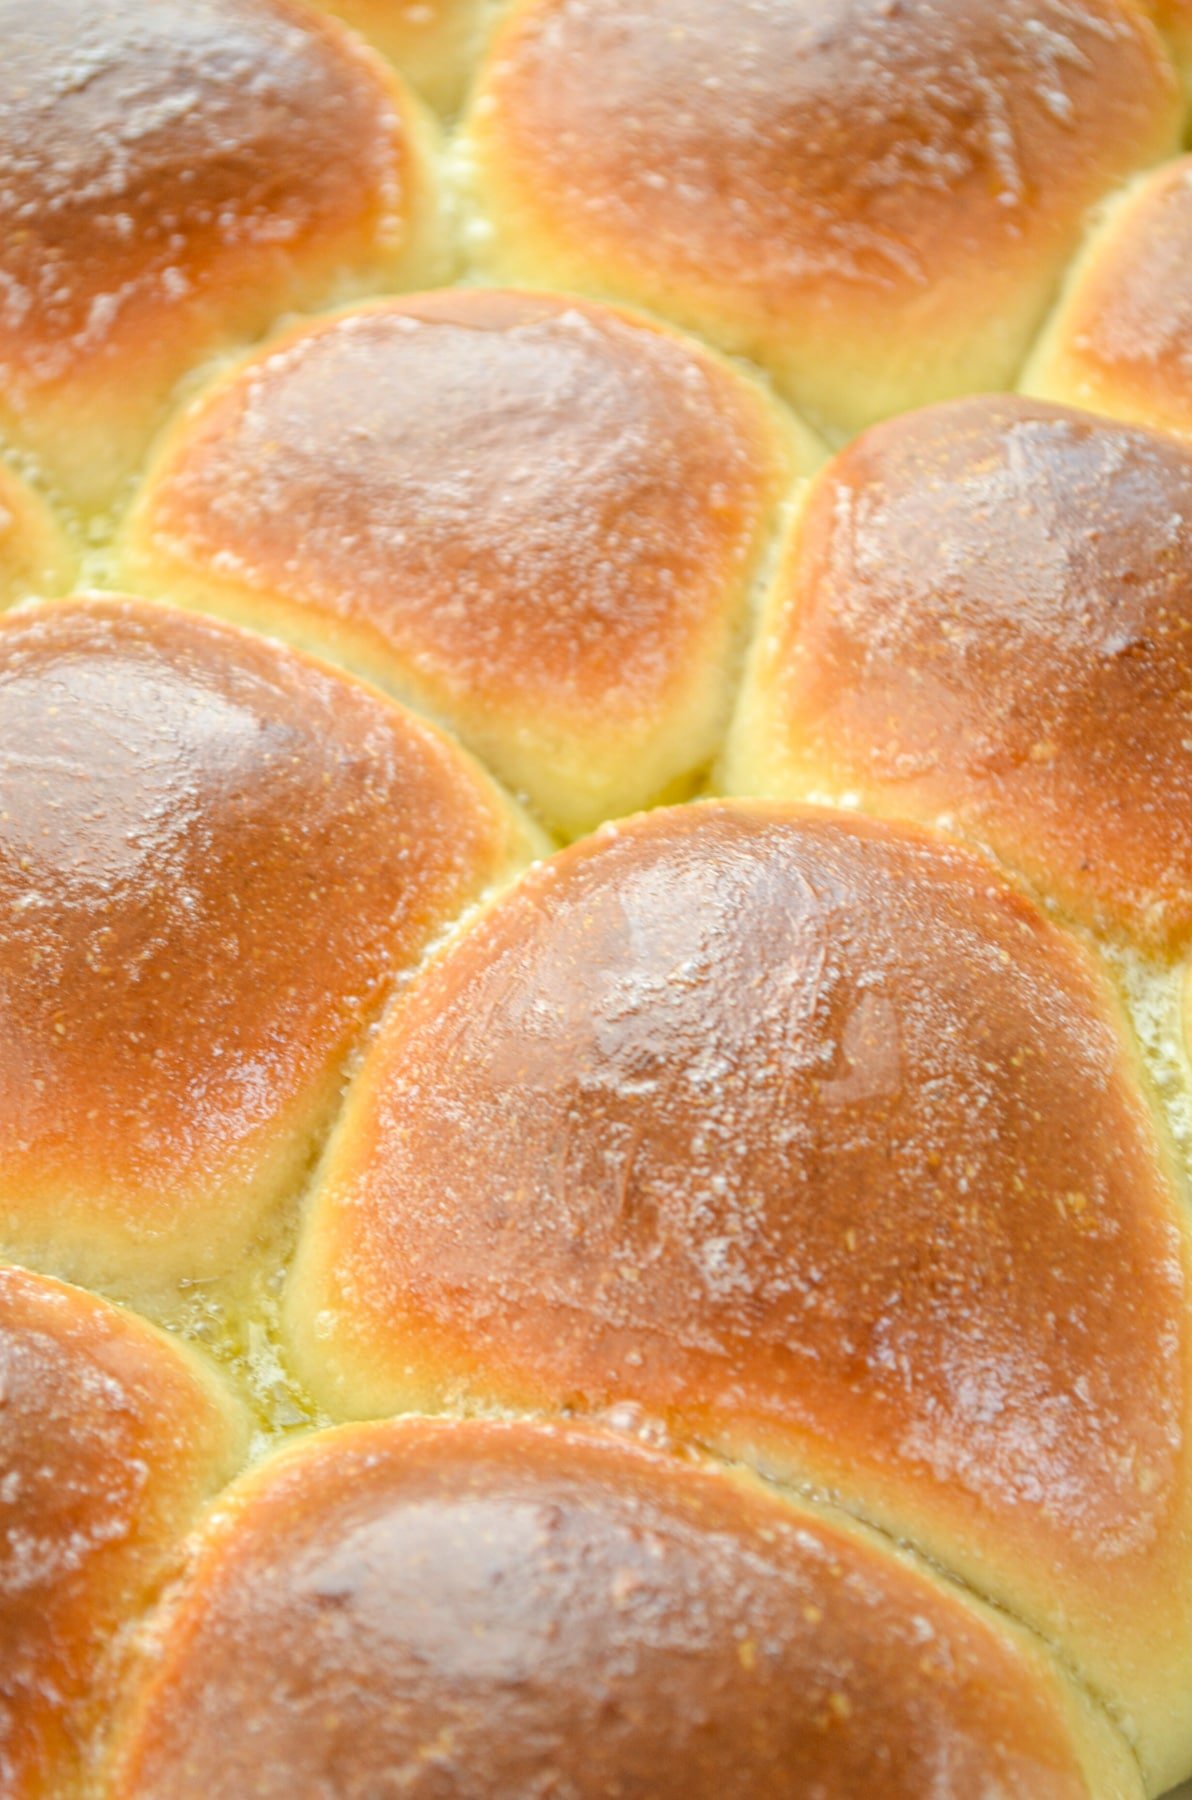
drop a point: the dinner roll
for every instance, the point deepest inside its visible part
(873, 198)
(111, 1437)
(435, 43)
(1120, 342)
(595, 933)
(985, 618)
(812, 1137)
(216, 857)
(174, 174)
(494, 1610)
(537, 519)
(35, 556)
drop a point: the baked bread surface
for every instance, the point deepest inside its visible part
(595, 899)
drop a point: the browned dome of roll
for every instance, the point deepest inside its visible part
(986, 616)
(216, 856)
(874, 198)
(110, 1440)
(536, 518)
(437, 1608)
(173, 175)
(814, 1138)
(436, 43)
(1121, 339)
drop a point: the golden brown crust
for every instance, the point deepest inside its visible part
(435, 43)
(496, 1610)
(986, 615)
(813, 1137)
(536, 518)
(110, 1439)
(173, 175)
(1121, 339)
(874, 199)
(216, 856)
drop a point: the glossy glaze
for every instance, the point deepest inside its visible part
(110, 1440)
(987, 615)
(215, 859)
(174, 174)
(536, 516)
(449, 1609)
(813, 1138)
(894, 185)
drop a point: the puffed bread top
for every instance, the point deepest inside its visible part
(111, 1439)
(216, 858)
(875, 199)
(814, 1139)
(782, 1199)
(441, 1609)
(984, 620)
(537, 519)
(173, 175)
